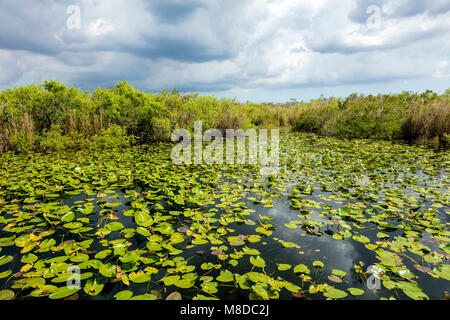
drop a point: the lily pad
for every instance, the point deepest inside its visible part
(63, 292)
(356, 291)
(318, 264)
(6, 295)
(283, 267)
(301, 268)
(333, 293)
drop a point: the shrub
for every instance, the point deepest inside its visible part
(161, 129)
(231, 116)
(426, 122)
(22, 142)
(312, 118)
(54, 140)
(113, 137)
(52, 116)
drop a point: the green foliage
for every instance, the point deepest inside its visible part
(313, 117)
(54, 140)
(113, 137)
(423, 118)
(52, 117)
(22, 142)
(160, 129)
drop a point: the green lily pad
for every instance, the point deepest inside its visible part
(93, 287)
(63, 292)
(257, 261)
(301, 268)
(124, 295)
(73, 225)
(114, 226)
(283, 267)
(318, 264)
(139, 277)
(338, 273)
(356, 291)
(6, 295)
(5, 259)
(225, 276)
(333, 293)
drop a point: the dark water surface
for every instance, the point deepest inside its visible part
(356, 178)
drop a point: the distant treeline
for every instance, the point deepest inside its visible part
(51, 116)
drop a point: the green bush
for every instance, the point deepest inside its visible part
(54, 140)
(422, 118)
(313, 118)
(52, 116)
(22, 142)
(113, 137)
(161, 128)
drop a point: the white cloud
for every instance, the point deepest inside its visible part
(213, 45)
(442, 69)
(100, 27)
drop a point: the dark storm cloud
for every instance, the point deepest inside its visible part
(178, 48)
(174, 11)
(212, 45)
(26, 25)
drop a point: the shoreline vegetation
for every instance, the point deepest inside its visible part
(52, 117)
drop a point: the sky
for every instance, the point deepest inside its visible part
(254, 50)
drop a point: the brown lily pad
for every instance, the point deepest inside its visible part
(335, 279)
(422, 269)
(73, 297)
(157, 294)
(217, 253)
(182, 229)
(174, 296)
(299, 295)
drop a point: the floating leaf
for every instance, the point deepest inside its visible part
(29, 258)
(333, 293)
(338, 273)
(73, 225)
(5, 274)
(123, 295)
(236, 241)
(412, 290)
(170, 280)
(356, 291)
(257, 261)
(63, 292)
(114, 226)
(174, 296)
(209, 287)
(5, 259)
(301, 268)
(93, 287)
(334, 278)
(318, 264)
(68, 217)
(443, 271)
(225, 276)
(283, 267)
(6, 295)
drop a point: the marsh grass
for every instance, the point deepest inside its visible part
(53, 117)
(428, 123)
(422, 119)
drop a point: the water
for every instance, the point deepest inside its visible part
(312, 167)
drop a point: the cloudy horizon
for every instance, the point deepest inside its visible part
(250, 49)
